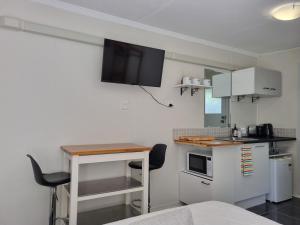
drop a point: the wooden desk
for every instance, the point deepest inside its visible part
(86, 154)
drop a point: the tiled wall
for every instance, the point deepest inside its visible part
(285, 132)
(225, 132)
(213, 131)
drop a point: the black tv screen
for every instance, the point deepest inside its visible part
(132, 64)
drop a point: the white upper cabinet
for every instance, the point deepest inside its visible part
(257, 82)
(221, 85)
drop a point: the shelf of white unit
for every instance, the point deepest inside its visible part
(94, 189)
(194, 87)
(107, 215)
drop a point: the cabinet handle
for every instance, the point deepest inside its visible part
(259, 146)
(266, 88)
(203, 182)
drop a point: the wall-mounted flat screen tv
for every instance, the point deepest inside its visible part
(132, 64)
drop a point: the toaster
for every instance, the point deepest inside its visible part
(252, 131)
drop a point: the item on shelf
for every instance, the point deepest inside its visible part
(186, 80)
(207, 82)
(196, 81)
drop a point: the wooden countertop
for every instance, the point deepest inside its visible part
(207, 144)
(97, 149)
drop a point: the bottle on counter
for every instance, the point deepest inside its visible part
(235, 131)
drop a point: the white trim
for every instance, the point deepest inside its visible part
(280, 51)
(166, 206)
(296, 195)
(56, 32)
(106, 17)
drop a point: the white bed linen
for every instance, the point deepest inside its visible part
(211, 213)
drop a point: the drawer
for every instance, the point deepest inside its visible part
(193, 189)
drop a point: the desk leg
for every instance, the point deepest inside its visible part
(128, 174)
(63, 196)
(73, 191)
(145, 176)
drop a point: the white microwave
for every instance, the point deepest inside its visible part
(200, 162)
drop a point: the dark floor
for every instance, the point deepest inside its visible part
(287, 213)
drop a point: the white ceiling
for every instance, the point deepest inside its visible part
(241, 24)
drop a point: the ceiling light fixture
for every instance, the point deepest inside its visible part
(290, 11)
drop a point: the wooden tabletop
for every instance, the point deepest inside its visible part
(97, 149)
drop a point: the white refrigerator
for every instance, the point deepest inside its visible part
(281, 179)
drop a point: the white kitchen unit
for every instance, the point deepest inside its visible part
(228, 183)
(221, 85)
(256, 81)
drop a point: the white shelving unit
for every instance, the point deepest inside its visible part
(194, 87)
(79, 191)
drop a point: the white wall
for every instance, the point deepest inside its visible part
(284, 111)
(243, 113)
(51, 95)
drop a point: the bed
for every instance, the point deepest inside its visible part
(205, 213)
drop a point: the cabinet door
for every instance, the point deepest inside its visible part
(256, 184)
(267, 82)
(243, 82)
(193, 189)
(221, 85)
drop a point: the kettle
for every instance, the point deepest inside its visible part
(267, 130)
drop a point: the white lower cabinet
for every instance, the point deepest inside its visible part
(229, 184)
(193, 189)
(257, 184)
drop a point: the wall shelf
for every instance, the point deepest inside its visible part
(194, 88)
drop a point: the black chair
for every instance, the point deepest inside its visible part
(51, 180)
(156, 161)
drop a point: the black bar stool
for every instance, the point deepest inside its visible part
(156, 161)
(51, 180)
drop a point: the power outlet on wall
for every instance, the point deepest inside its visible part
(124, 105)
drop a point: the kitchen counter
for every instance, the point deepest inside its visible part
(225, 141)
(260, 139)
(273, 139)
(207, 144)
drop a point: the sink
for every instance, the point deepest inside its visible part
(242, 139)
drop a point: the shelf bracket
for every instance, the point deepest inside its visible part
(183, 89)
(194, 90)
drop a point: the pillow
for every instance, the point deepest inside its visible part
(176, 217)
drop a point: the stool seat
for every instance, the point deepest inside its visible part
(55, 179)
(138, 166)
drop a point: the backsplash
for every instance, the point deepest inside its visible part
(224, 132)
(285, 132)
(213, 131)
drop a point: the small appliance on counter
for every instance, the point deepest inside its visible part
(262, 130)
(252, 131)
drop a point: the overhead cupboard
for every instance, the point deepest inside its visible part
(253, 81)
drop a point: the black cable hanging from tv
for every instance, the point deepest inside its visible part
(155, 99)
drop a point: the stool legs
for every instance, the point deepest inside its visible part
(149, 206)
(52, 217)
